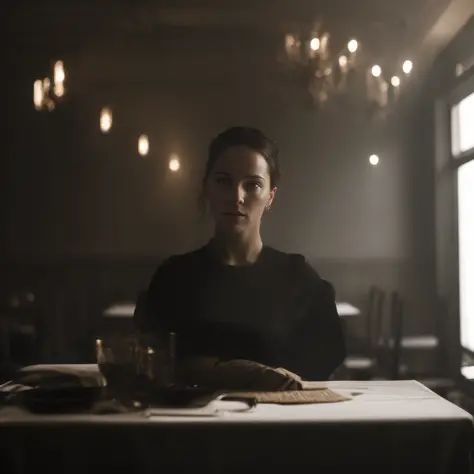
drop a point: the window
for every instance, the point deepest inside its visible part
(463, 126)
(466, 252)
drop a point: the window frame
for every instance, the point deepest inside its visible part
(447, 222)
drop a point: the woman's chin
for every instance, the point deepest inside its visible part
(232, 226)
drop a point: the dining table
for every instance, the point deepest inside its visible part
(126, 309)
(380, 427)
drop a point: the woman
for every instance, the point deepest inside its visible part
(235, 298)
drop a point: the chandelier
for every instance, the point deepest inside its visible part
(327, 75)
(45, 94)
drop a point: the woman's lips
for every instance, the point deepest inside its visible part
(235, 214)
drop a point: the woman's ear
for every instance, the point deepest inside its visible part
(272, 197)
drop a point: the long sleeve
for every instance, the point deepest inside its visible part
(155, 308)
(321, 345)
(279, 312)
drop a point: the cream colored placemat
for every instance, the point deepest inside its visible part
(295, 397)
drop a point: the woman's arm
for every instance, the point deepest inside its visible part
(320, 336)
(155, 307)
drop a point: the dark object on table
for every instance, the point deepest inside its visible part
(41, 387)
(108, 407)
(131, 363)
(66, 400)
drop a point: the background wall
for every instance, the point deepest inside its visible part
(87, 219)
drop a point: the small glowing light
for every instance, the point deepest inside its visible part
(59, 89)
(105, 120)
(46, 84)
(38, 94)
(376, 71)
(290, 41)
(324, 41)
(374, 160)
(323, 96)
(174, 164)
(315, 44)
(407, 67)
(59, 74)
(343, 61)
(468, 372)
(353, 46)
(143, 145)
(50, 105)
(395, 81)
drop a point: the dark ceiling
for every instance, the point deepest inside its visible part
(206, 41)
(391, 28)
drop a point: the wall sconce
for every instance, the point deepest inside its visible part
(174, 164)
(42, 93)
(143, 145)
(105, 120)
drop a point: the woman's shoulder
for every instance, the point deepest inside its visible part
(296, 265)
(294, 261)
(180, 261)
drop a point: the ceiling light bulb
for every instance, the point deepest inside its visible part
(59, 89)
(374, 160)
(143, 145)
(59, 74)
(105, 120)
(376, 71)
(174, 164)
(315, 44)
(352, 46)
(38, 94)
(407, 67)
(343, 61)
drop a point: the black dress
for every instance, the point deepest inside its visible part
(278, 311)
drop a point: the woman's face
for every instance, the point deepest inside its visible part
(238, 189)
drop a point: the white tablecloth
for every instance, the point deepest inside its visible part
(387, 426)
(383, 401)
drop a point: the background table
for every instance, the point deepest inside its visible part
(388, 427)
(346, 309)
(120, 310)
(126, 310)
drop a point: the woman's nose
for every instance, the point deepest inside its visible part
(239, 194)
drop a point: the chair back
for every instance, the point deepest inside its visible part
(21, 330)
(396, 334)
(375, 317)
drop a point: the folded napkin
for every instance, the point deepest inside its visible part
(238, 374)
(59, 375)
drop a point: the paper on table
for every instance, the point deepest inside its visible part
(206, 411)
(297, 397)
(214, 408)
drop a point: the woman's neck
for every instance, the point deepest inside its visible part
(236, 250)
